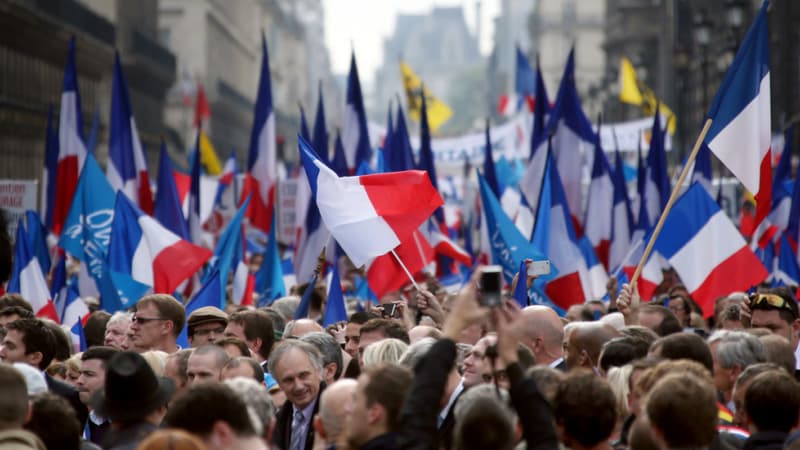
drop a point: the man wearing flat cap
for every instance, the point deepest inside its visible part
(134, 399)
(205, 325)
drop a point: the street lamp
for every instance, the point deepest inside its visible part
(735, 10)
(702, 36)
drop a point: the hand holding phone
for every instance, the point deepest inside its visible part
(490, 286)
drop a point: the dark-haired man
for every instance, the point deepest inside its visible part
(776, 310)
(216, 414)
(29, 341)
(92, 378)
(254, 328)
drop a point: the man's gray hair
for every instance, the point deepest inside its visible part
(756, 369)
(485, 391)
(330, 349)
(284, 347)
(737, 348)
(259, 404)
(416, 351)
(119, 316)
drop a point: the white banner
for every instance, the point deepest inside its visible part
(16, 197)
(287, 198)
(512, 140)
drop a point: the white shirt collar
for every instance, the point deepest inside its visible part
(555, 363)
(456, 392)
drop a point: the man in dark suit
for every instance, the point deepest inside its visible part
(92, 378)
(29, 341)
(297, 367)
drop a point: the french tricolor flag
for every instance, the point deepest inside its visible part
(71, 147)
(598, 221)
(705, 248)
(573, 140)
(740, 132)
(127, 168)
(555, 235)
(259, 182)
(656, 182)
(143, 255)
(28, 280)
(355, 137)
(622, 218)
(369, 215)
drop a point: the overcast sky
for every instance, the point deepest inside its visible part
(364, 24)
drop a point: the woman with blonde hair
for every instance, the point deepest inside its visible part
(384, 351)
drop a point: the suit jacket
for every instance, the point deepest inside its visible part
(70, 394)
(445, 432)
(283, 426)
(562, 366)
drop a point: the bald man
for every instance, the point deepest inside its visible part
(543, 334)
(584, 341)
(301, 327)
(423, 331)
(334, 403)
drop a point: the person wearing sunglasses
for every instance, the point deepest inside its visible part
(776, 310)
(157, 322)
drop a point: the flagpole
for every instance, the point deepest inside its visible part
(405, 269)
(674, 196)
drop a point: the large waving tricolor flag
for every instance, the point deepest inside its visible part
(71, 148)
(741, 123)
(28, 280)
(524, 86)
(261, 161)
(706, 249)
(144, 255)
(372, 214)
(127, 168)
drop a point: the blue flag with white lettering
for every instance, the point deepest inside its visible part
(509, 246)
(87, 229)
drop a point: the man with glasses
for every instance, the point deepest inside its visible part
(156, 323)
(776, 310)
(205, 325)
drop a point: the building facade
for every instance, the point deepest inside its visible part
(33, 49)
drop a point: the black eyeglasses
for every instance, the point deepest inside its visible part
(143, 320)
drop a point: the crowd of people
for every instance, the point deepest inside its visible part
(426, 369)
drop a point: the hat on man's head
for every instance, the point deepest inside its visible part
(206, 314)
(132, 390)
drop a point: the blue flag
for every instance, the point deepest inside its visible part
(269, 278)
(37, 239)
(320, 137)
(87, 229)
(521, 291)
(339, 162)
(489, 171)
(335, 308)
(305, 301)
(50, 167)
(509, 246)
(229, 249)
(304, 125)
(208, 295)
(167, 209)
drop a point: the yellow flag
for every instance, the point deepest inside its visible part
(634, 92)
(629, 85)
(208, 156)
(438, 111)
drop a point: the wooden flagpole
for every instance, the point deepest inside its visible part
(405, 269)
(674, 196)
